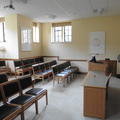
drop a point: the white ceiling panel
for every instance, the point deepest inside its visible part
(42, 10)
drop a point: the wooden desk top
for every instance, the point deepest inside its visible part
(96, 79)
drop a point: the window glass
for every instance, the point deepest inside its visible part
(61, 34)
(2, 32)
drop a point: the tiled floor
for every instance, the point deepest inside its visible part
(67, 103)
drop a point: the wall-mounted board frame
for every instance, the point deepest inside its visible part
(97, 43)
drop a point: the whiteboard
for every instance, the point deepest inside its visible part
(97, 43)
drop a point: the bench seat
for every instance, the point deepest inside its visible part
(21, 100)
(35, 91)
(8, 110)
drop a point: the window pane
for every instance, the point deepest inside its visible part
(68, 33)
(26, 36)
(34, 31)
(2, 32)
(62, 34)
(35, 34)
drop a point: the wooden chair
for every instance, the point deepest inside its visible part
(18, 67)
(3, 78)
(48, 69)
(39, 71)
(25, 101)
(64, 72)
(52, 63)
(8, 111)
(26, 82)
(4, 68)
(39, 60)
(73, 69)
(2, 64)
(60, 75)
(27, 66)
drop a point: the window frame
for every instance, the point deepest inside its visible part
(3, 32)
(63, 35)
(26, 45)
(36, 33)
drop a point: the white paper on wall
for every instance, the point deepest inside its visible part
(97, 43)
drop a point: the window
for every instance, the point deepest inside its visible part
(61, 32)
(26, 36)
(2, 32)
(36, 33)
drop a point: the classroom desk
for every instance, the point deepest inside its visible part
(95, 88)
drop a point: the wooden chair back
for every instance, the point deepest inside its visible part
(25, 82)
(18, 63)
(53, 62)
(3, 78)
(2, 64)
(39, 59)
(11, 88)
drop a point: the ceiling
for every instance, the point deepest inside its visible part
(61, 10)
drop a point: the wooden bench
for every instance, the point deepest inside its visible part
(64, 72)
(4, 68)
(22, 99)
(43, 70)
(12, 88)
(8, 111)
(27, 83)
(24, 66)
(3, 78)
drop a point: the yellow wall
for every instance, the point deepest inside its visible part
(36, 47)
(79, 48)
(11, 37)
(14, 23)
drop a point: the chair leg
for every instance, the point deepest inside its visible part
(58, 81)
(53, 81)
(22, 116)
(43, 81)
(64, 82)
(36, 106)
(46, 98)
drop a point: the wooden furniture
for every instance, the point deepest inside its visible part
(43, 70)
(8, 111)
(15, 102)
(106, 66)
(11, 88)
(95, 90)
(112, 66)
(64, 72)
(3, 78)
(4, 68)
(26, 83)
(24, 66)
(97, 67)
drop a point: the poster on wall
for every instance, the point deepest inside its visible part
(26, 39)
(97, 43)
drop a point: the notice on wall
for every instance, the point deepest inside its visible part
(97, 43)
